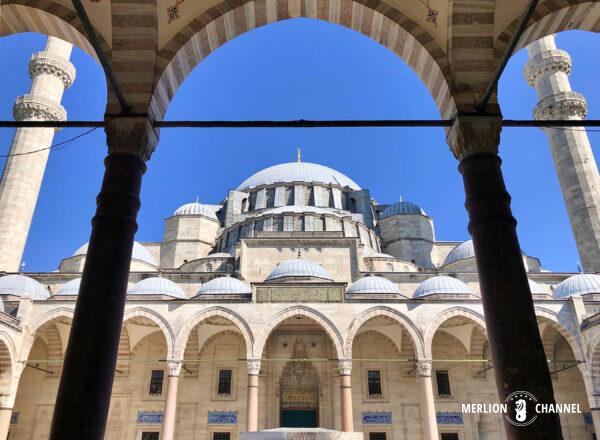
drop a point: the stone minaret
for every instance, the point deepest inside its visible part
(547, 70)
(51, 73)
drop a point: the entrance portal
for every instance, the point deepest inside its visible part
(299, 391)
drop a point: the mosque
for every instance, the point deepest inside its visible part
(298, 284)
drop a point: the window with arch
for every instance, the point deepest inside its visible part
(252, 201)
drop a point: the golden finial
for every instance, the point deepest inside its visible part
(299, 151)
(197, 199)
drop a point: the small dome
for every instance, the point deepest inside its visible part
(299, 267)
(70, 288)
(139, 253)
(225, 286)
(20, 285)
(578, 285)
(373, 284)
(441, 284)
(536, 289)
(157, 286)
(298, 172)
(196, 209)
(402, 208)
(460, 252)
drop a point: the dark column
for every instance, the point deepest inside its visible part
(85, 386)
(517, 352)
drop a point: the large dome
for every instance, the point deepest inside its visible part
(139, 253)
(299, 267)
(298, 172)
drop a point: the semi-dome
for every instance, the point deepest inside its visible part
(402, 208)
(196, 209)
(441, 284)
(373, 284)
(298, 172)
(20, 285)
(157, 286)
(70, 288)
(536, 289)
(225, 286)
(139, 253)
(580, 284)
(299, 267)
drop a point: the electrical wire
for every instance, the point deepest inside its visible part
(53, 147)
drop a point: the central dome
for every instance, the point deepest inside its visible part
(298, 172)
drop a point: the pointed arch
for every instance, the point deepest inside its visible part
(563, 329)
(184, 333)
(454, 312)
(384, 24)
(299, 310)
(415, 335)
(155, 318)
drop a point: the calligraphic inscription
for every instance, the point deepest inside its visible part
(377, 418)
(299, 294)
(150, 417)
(449, 418)
(222, 417)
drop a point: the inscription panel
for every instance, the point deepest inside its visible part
(297, 294)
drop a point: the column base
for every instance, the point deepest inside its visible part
(301, 434)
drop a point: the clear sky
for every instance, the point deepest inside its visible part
(298, 68)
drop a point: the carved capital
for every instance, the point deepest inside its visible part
(37, 108)
(564, 105)
(474, 134)
(174, 367)
(253, 367)
(52, 64)
(131, 135)
(545, 64)
(345, 367)
(424, 368)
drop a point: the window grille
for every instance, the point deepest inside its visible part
(289, 195)
(309, 198)
(247, 230)
(252, 206)
(374, 382)
(298, 223)
(443, 383)
(259, 225)
(156, 382)
(319, 224)
(331, 199)
(150, 435)
(270, 197)
(377, 436)
(278, 223)
(224, 388)
(449, 436)
(221, 436)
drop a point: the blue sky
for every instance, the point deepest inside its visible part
(295, 69)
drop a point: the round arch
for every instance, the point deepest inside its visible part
(225, 21)
(472, 315)
(327, 326)
(184, 333)
(563, 330)
(155, 318)
(54, 19)
(399, 318)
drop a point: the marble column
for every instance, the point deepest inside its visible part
(7, 401)
(252, 395)
(83, 399)
(345, 369)
(515, 343)
(51, 73)
(428, 413)
(593, 399)
(548, 72)
(170, 413)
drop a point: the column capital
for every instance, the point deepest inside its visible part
(424, 368)
(174, 367)
(253, 367)
(131, 135)
(345, 367)
(472, 134)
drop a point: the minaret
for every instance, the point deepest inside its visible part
(547, 71)
(51, 73)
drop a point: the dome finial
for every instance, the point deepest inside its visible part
(400, 199)
(299, 151)
(197, 199)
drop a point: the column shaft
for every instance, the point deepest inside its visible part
(518, 354)
(84, 392)
(428, 413)
(170, 409)
(252, 404)
(5, 415)
(346, 403)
